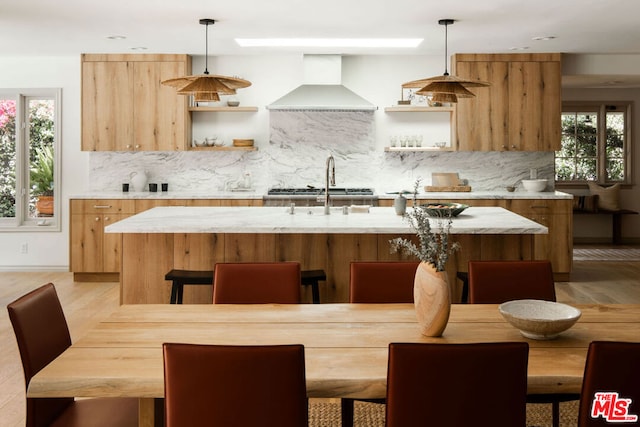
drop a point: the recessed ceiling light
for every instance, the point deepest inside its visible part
(116, 37)
(139, 48)
(296, 42)
(543, 38)
(519, 48)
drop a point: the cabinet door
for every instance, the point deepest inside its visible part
(160, 115)
(86, 243)
(111, 244)
(482, 122)
(534, 105)
(107, 106)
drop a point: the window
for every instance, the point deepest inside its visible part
(595, 143)
(29, 166)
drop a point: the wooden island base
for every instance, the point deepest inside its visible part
(147, 257)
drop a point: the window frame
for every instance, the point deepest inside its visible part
(22, 221)
(600, 109)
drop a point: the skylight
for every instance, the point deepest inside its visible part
(299, 42)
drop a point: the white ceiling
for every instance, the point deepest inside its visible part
(63, 27)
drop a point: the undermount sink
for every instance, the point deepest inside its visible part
(314, 210)
(333, 210)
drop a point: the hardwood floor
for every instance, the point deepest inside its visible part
(86, 303)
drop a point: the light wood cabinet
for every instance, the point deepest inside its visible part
(126, 108)
(556, 246)
(521, 109)
(96, 255)
(91, 249)
(555, 214)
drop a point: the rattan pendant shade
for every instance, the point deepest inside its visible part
(445, 88)
(207, 87)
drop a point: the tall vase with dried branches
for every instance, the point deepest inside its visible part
(431, 293)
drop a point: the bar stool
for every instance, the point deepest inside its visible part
(311, 278)
(186, 277)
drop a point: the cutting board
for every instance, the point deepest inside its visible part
(444, 179)
(451, 188)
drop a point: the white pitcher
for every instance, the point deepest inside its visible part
(138, 180)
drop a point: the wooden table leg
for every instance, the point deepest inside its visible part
(146, 412)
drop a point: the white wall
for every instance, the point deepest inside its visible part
(48, 250)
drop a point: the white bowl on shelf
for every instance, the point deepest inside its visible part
(534, 185)
(538, 319)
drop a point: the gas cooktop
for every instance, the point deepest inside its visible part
(313, 191)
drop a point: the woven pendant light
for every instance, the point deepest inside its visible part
(205, 86)
(445, 86)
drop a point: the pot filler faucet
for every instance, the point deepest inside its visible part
(330, 180)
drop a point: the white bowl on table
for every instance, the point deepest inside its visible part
(538, 319)
(534, 185)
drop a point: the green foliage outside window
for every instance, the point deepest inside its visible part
(41, 141)
(585, 145)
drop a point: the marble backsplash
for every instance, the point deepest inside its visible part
(295, 156)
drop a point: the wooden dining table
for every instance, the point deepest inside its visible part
(346, 345)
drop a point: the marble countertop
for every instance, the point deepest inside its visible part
(497, 195)
(259, 195)
(170, 195)
(379, 220)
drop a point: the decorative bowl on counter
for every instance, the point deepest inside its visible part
(444, 210)
(534, 185)
(538, 319)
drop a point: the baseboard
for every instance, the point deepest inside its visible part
(604, 241)
(96, 277)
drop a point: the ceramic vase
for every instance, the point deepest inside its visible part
(138, 180)
(432, 299)
(400, 204)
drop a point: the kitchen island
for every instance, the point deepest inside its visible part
(160, 239)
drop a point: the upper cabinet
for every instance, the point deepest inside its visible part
(126, 108)
(521, 109)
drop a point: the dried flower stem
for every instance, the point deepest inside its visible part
(435, 247)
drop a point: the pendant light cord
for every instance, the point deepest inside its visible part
(446, 39)
(206, 49)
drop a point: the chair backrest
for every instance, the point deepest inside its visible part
(382, 281)
(611, 385)
(42, 334)
(457, 384)
(494, 282)
(234, 385)
(257, 283)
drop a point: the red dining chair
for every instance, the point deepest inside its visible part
(257, 283)
(224, 385)
(42, 334)
(382, 281)
(480, 384)
(377, 282)
(611, 385)
(495, 282)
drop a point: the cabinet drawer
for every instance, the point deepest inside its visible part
(100, 206)
(540, 206)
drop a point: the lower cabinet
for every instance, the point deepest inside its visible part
(555, 214)
(96, 255)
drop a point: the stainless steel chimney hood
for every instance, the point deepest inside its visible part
(323, 89)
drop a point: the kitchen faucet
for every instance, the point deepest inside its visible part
(330, 180)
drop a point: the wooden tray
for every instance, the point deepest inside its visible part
(453, 188)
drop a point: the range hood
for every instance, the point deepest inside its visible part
(322, 89)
